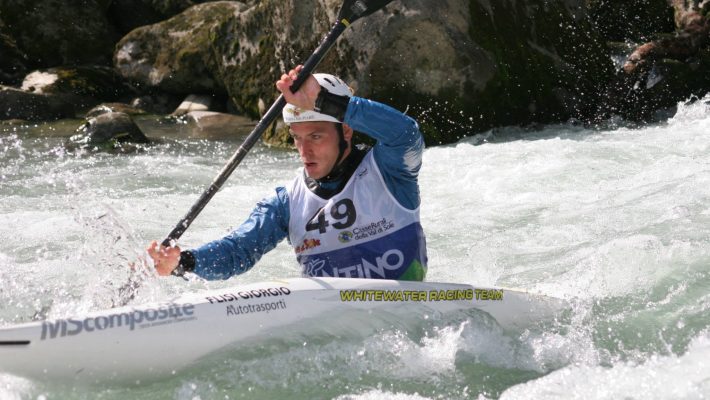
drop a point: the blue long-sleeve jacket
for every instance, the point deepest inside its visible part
(398, 153)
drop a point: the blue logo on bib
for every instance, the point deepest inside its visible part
(345, 236)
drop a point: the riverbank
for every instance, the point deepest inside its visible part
(466, 66)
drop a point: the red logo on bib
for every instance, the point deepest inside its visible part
(307, 245)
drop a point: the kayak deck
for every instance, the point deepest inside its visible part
(133, 341)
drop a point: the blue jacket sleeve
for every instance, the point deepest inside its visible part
(399, 147)
(237, 252)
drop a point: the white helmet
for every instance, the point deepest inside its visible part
(332, 84)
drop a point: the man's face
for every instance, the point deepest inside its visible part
(317, 144)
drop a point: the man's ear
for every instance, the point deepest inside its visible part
(347, 132)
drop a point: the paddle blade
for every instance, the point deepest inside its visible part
(354, 9)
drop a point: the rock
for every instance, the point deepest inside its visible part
(127, 15)
(458, 68)
(193, 102)
(169, 8)
(174, 55)
(18, 104)
(13, 61)
(108, 131)
(461, 67)
(106, 108)
(660, 73)
(215, 125)
(13, 122)
(157, 103)
(86, 86)
(55, 32)
(631, 20)
(693, 34)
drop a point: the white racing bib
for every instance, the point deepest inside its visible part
(362, 232)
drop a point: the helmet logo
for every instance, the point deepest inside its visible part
(294, 110)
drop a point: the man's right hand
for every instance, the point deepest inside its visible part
(305, 97)
(166, 259)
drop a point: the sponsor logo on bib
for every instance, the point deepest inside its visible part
(345, 236)
(373, 229)
(391, 260)
(314, 267)
(307, 245)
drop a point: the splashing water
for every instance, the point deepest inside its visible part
(615, 220)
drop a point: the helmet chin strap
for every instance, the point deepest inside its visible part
(342, 146)
(342, 143)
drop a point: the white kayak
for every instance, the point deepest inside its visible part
(161, 338)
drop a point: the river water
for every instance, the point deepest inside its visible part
(615, 220)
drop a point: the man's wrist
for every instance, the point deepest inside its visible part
(185, 264)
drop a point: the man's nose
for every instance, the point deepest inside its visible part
(304, 149)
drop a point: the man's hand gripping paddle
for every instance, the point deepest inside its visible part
(351, 11)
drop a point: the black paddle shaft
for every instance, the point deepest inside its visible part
(351, 11)
(268, 118)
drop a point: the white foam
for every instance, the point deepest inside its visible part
(660, 377)
(382, 395)
(692, 111)
(14, 388)
(596, 216)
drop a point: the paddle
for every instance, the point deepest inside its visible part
(351, 11)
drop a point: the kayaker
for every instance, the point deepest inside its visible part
(353, 212)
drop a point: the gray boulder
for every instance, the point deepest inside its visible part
(157, 103)
(215, 125)
(12, 60)
(174, 55)
(84, 86)
(194, 102)
(108, 131)
(106, 108)
(662, 72)
(460, 67)
(127, 15)
(19, 104)
(55, 32)
(631, 20)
